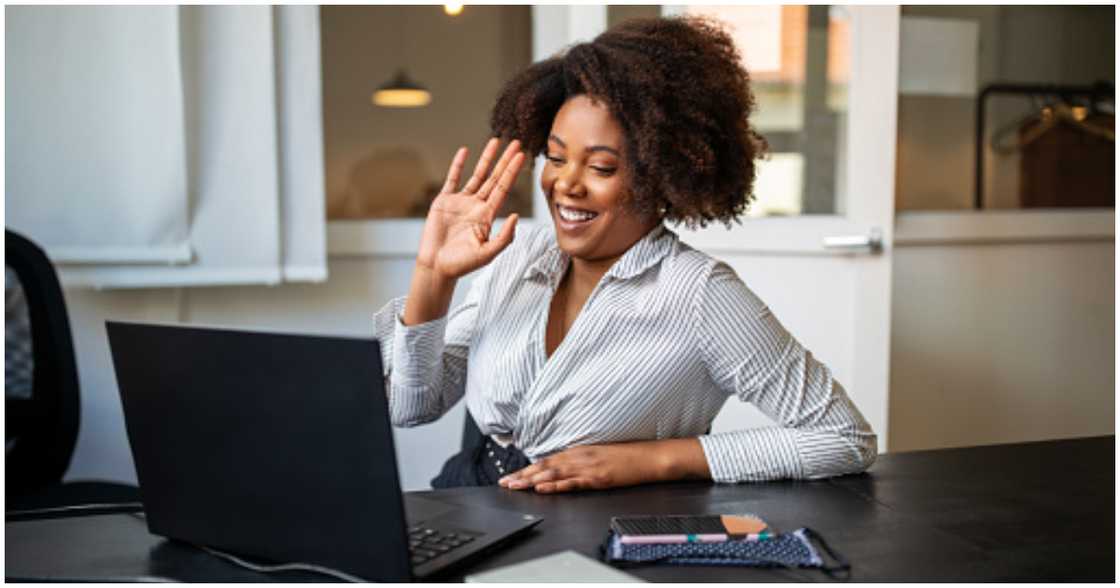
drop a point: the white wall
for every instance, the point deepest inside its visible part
(1000, 343)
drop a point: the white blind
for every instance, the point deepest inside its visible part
(299, 94)
(250, 155)
(94, 143)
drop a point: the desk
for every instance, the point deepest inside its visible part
(1031, 511)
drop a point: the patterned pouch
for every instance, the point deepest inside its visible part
(788, 550)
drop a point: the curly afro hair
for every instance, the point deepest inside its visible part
(682, 98)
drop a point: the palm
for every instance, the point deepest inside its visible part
(460, 226)
(456, 238)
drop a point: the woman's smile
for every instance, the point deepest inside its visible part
(574, 219)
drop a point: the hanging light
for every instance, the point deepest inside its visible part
(402, 92)
(453, 9)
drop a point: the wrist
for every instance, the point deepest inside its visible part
(429, 277)
(680, 459)
(429, 296)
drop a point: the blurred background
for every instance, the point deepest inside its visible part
(935, 220)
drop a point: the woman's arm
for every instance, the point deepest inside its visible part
(590, 467)
(750, 355)
(425, 373)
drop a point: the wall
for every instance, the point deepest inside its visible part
(1000, 343)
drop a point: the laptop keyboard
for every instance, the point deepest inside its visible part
(424, 543)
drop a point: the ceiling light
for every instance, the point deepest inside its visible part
(402, 92)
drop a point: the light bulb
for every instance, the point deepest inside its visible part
(453, 9)
(401, 98)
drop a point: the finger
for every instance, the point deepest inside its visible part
(483, 165)
(549, 475)
(455, 170)
(512, 150)
(497, 197)
(518, 484)
(565, 485)
(493, 247)
(525, 471)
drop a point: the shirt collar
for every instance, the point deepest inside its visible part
(645, 253)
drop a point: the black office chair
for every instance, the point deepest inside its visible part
(472, 437)
(42, 399)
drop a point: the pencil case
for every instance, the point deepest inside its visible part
(789, 550)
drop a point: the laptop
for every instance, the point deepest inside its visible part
(277, 448)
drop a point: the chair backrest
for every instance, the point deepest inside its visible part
(472, 437)
(48, 420)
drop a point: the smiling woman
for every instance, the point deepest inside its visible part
(597, 354)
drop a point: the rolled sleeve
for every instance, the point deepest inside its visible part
(417, 350)
(750, 355)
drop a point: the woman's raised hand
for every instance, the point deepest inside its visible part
(456, 238)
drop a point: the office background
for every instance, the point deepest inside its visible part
(283, 178)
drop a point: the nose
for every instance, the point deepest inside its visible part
(569, 182)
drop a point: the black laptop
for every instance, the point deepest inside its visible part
(277, 448)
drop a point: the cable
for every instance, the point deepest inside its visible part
(136, 508)
(101, 507)
(287, 567)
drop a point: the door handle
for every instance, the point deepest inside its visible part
(872, 242)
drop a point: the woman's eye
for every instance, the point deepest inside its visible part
(603, 171)
(554, 160)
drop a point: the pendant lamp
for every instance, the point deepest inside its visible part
(402, 92)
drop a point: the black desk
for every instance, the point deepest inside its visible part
(1010, 512)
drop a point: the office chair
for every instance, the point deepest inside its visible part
(42, 399)
(472, 437)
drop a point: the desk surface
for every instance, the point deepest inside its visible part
(1032, 511)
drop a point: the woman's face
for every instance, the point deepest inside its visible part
(585, 183)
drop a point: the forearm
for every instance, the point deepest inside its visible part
(587, 467)
(429, 296)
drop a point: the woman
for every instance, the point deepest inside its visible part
(597, 354)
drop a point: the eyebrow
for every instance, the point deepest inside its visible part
(592, 149)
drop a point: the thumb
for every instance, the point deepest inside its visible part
(493, 247)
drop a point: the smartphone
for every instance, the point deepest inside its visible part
(690, 528)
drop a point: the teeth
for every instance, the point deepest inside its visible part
(575, 215)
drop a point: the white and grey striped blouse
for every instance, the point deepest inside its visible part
(667, 335)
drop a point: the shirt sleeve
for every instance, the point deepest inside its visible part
(749, 354)
(425, 365)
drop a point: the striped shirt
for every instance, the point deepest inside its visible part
(666, 336)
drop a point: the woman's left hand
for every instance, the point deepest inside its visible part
(594, 467)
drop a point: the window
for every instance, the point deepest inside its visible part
(797, 57)
(1038, 149)
(384, 162)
